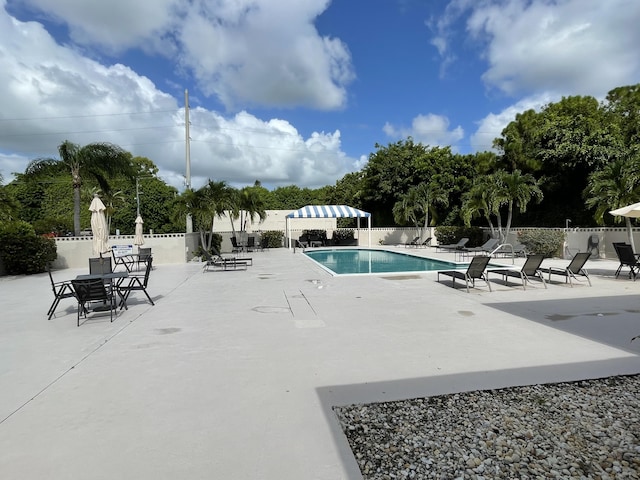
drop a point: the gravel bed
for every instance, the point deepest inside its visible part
(587, 429)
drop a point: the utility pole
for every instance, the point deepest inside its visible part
(187, 141)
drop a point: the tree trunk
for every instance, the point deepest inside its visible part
(76, 211)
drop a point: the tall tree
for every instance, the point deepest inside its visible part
(99, 161)
(8, 204)
(615, 185)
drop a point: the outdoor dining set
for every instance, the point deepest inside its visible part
(105, 289)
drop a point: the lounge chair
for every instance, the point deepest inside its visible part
(61, 290)
(216, 253)
(510, 250)
(426, 243)
(135, 283)
(412, 243)
(477, 270)
(486, 248)
(218, 262)
(530, 270)
(574, 269)
(627, 259)
(454, 246)
(94, 290)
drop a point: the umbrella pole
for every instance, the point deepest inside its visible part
(630, 233)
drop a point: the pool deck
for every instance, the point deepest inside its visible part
(233, 374)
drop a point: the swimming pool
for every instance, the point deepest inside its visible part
(354, 261)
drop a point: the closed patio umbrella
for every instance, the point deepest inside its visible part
(99, 227)
(629, 212)
(138, 239)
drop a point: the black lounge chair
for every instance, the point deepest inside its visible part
(574, 269)
(454, 246)
(477, 270)
(486, 248)
(135, 283)
(94, 290)
(510, 250)
(216, 253)
(627, 259)
(61, 290)
(218, 262)
(413, 243)
(529, 271)
(426, 243)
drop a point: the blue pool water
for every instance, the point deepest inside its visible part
(351, 261)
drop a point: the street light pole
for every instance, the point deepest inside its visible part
(187, 142)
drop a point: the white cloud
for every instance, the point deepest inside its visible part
(428, 129)
(51, 93)
(115, 25)
(569, 47)
(243, 52)
(252, 56)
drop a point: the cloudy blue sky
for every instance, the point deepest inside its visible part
(294, 91)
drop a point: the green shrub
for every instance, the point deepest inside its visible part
(58, 226)
(344, 234)
(274, 238)
(542, 241)
(447, 235)
(24, 252)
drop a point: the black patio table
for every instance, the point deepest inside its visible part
(110, 277)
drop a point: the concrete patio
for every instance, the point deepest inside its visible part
(233, 374)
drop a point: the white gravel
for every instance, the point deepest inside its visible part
(587, 429)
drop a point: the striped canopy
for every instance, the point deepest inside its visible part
(328, 211)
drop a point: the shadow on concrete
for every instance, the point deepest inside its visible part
(612, 320)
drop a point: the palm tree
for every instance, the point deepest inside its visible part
(416, 204)
(250, 204)
(204, 205)
(517, 190)
(490, 193)
(99, 161)
(479, 201)
(613, 186)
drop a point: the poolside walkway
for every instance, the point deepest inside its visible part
(233, 374)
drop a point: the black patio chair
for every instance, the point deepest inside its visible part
(100, 265)
(251, 243)
(61, 290)
(476, 271)
(94, 290)
(573, 270)
(627, 258)
(135, 283)
(236, 247)
(144, 254)
(530, 270)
